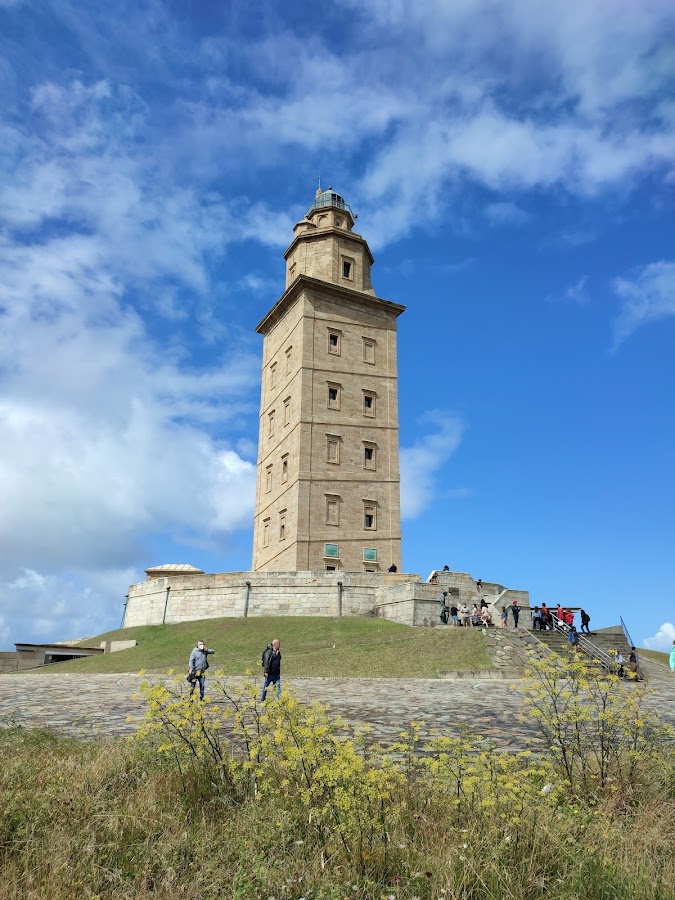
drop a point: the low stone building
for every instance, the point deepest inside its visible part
(181, 594)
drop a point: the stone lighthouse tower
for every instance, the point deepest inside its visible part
(327, 495)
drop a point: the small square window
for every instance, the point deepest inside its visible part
(266, 533)
(331, 568)
(334, 342)
(369, 405)
(369, 351)
(331, 550)
(284, 468)
(287, 410)
(338, 222)
(346, 269)
(268, 479)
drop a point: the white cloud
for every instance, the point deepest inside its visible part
(663, 639)
(505, 213)
(39, 608)
(577, 292)
(420, 463)
(106, 433)
(647, 296)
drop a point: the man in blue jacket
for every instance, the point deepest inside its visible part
(197, 667)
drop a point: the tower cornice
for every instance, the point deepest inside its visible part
(306, 281)
(322, 233)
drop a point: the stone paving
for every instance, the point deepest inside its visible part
(100, 704)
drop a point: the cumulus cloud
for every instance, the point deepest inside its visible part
(648, 295)
(663, 639)
(63, 606)
(421, 462)
(107, 434)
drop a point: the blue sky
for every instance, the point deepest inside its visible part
(512, 165)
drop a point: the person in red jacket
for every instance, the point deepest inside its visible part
(569, 618)
(560, 612)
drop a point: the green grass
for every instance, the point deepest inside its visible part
(655, 655)
(358, 647)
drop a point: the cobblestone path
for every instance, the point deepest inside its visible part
(100, 704)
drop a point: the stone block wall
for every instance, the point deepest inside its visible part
(185, 598)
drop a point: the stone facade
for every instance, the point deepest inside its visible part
(182, 597)
(328, 493)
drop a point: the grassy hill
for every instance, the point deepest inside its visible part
(322, 646)
(655, 655)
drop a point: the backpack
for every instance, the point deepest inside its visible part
(266, 656)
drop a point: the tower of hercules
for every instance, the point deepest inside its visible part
(327, 493)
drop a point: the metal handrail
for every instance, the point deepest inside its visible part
(589, 648)
(631, 644)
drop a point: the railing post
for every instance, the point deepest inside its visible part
(339, 584)
(166, 603)
(248, 592)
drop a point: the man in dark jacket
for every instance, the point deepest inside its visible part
(272, 668)
(197, 667)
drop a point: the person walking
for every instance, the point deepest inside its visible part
(560, 613)
(454, 612)
(672, 659)
(505, 617)
(271, 660)
(197, 667)
(633, 663)
(536, 619)
(515, 610)
(585, 619)
(573, 638)
(545, 617)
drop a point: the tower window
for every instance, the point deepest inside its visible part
(333, 449)
(370, 516)
(266, 533)
(332, 509)
(334, 396)
(334, 342)
(347, 269)
(369, 351)
(338, 222)
(273, 375)
(268, 479)
(284, 467)
(369, 456)
(289, 356)
(282, 525)
(287, 410)
(271, 423)
(369, 405)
